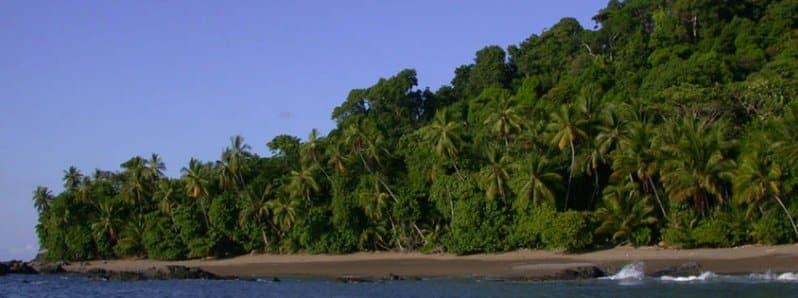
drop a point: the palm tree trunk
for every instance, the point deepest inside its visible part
(420, 233)
(787, 212)
(570, 172)
(656, 195)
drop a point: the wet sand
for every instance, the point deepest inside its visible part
(517, 264)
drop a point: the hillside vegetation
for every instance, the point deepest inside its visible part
(672, 121)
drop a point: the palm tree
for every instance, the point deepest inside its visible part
(444, 136)
(256, 210)
(756, 181)
(566, 128)
(697, 169)
(302, 184)
(311, 150)
(72, 178)
(155, 167)
(374, 202)
(534, 182)
(42, 199)
(166, 197)
(337, 159)
(283, 211)
(136, 174)
(504, 121)
(233, 162)
(197, 181)
(108, 221)
(493, 177)
(624, 212)
(636, 156)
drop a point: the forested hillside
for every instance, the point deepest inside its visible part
(672, 121)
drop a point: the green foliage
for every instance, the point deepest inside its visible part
(570, 230)
(478, 226)
(672, 120)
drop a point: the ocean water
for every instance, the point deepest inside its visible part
(629, 282)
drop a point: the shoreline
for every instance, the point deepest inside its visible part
(521, 264)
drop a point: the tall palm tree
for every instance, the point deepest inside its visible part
(42, 199)
(566, 127)
(165, 195)
(697, 169)
(534, 182)
(197, 180)
(493, 178)
(233, 162)
(311, 150)
(302, 184)
(504, 121)
(445, 138)
(374, 202)
(72, 178)
(155, 167)
(636, 156)
(337, 159)
(136, 181)
(283, 211)
(107, 223)
(756, 181)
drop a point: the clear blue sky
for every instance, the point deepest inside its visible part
(93, 83)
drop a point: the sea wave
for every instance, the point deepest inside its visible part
(633, 271)
(787, 276)
(702, 277)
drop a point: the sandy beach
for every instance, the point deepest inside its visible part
(517, 264)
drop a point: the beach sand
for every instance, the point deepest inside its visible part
(517, 264)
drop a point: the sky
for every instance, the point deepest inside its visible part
(92, 83)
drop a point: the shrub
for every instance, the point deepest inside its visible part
(571, 230)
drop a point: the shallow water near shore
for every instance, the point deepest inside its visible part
(706, 285)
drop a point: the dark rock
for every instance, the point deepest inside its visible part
(352, 279)
(47, 268)
(275, 279)
(167, 273)
(683, 270)
(4, 269)
(18, 267)
(581, 272)
(102, 274)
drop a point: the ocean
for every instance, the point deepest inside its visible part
(629, 282)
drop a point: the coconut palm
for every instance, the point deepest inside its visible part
(635, 156)
(108, 221)
(233, 163)
(566, 128)
(72, 178)
(504, 121)
(756, 181)
(624, 212)
(534, 182)
(374, 202)
(493, 178)
(445, 137)
(197, 180)
(337, 159)
(697, 169)
(302, 184)
(155, 167)
(283, 211)
(42, 199)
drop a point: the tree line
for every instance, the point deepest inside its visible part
(671, 121)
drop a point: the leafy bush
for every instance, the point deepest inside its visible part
(570, 230)
(160, 240)
(478, 226)
(528, 230)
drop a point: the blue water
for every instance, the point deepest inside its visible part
(713, 286)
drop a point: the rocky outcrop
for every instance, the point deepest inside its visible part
(683, 270)
(581, 272)
(17, 267)
(166, 273)
(3, 269)
(47, 268)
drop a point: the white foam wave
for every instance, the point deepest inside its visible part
(702, 277)
(633, 271)
(787, 276)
